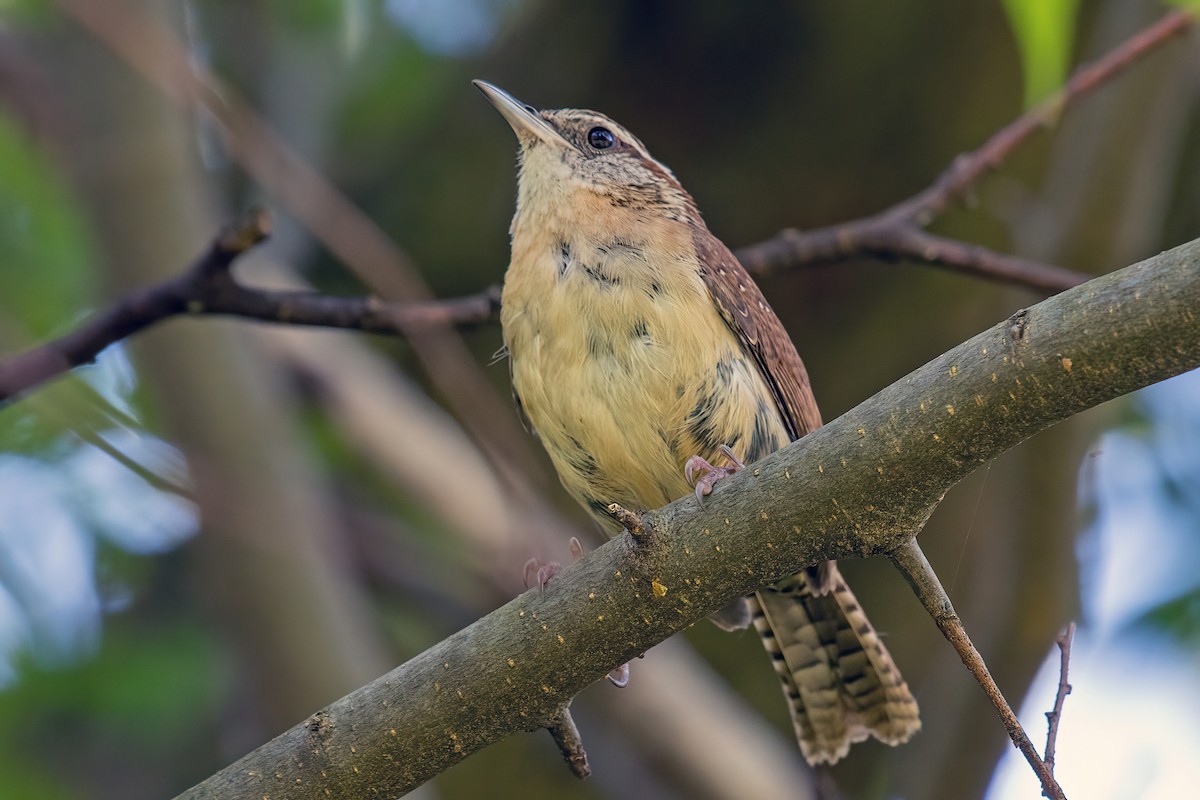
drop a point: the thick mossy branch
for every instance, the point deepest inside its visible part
(856, 487)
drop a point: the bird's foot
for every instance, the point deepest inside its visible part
(538, 573)
(706, 475)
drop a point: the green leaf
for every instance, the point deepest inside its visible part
(1045, 32)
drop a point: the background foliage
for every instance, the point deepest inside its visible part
(147, 638)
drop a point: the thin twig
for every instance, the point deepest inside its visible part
(369, 314)
(1054, 716)
(135, 311)
(892, 239)
(897, 231)
(150, 476)
(924, 581)
(566, 736)
(968, 168)
(629, 520)
(208, 287)
(161, 57)
(894, 233)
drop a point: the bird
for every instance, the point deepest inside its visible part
(642, 354)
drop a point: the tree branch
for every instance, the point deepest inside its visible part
(886, 462)
(566, 735)
(897, 231)
(294, 183)
(209, 287)
(1054, 716)
(892, 238)
(909, 559)
(890, 235)
(134, 312)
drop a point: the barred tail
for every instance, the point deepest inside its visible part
(840, 682)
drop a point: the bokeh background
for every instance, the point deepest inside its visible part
(220, 527)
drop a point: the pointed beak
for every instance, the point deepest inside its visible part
(524, 119)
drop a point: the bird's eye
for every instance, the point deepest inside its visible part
(601, 138)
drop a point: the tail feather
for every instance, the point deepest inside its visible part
(840, 682)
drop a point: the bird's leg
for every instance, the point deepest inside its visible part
(708, 475)
(539, 573)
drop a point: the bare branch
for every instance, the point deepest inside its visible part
(368, 314)
(294, 183)
(887, 462)
(629, 520)
(909, 559)
(897, 231)
(970, 167)
(208, 287)
(892, 238)
(135, 311)
(1054, 716)
(892, 234)
(566, 735)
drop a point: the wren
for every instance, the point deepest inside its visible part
(641, 350)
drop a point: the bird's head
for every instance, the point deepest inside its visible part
(568, 151)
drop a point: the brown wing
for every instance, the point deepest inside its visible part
(840, 681)
(745, 310)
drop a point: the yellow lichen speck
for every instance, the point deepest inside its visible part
(659, 589)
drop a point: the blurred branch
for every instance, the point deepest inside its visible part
(898, 231)
(888, 462)
(165, 61)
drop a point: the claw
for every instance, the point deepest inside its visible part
(697, 464)
(546, 573)
(538, 573)
(727, 451)
(709, 474)
(619, 677)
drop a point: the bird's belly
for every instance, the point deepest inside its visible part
(622, 400)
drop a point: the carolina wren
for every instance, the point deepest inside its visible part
(639, 347)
